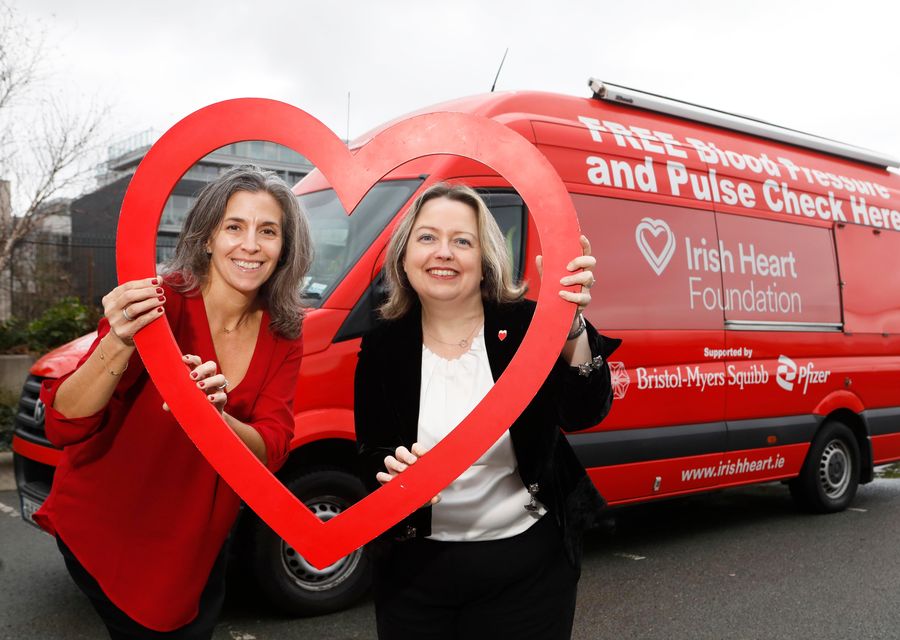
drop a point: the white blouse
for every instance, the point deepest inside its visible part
(487, 502)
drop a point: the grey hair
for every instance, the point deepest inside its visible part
(189, 267)
(497, 286)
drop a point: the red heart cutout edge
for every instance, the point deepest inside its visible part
(351, 175)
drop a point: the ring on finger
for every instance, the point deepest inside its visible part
(222, 387)
(125, 313)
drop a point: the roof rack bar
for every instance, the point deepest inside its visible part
(633, 97)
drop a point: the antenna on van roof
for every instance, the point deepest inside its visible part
(661, 104)
(348, 117)
(493, 86)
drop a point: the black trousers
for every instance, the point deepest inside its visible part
(122, 627)
(521, 587)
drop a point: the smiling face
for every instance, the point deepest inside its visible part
(247, 243)
(443, 255)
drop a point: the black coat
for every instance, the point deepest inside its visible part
(387, 389)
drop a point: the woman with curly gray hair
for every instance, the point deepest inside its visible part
(140, 516)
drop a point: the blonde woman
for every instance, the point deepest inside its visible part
(498, 554)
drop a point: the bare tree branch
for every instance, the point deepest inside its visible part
(60, 148)
(20, 54)
(47, 148)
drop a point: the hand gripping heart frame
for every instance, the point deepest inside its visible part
(352, 175)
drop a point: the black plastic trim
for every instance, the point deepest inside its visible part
(30, 437)
(363, 315)
(755, 434)
(882, 422)
(624, 446)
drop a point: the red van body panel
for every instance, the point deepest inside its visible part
(885, 448)
(36, 452)
(322, 424)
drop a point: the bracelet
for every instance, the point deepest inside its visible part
(586, 368)
(105, 366)
(577, 331)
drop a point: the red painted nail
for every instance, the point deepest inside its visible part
(193, 374)
(158, 309)
(159, 290)
(162, 298)
(210, 398)
(200, 384)
(154, 281)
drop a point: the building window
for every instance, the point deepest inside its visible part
(203, 172)
(175, 212)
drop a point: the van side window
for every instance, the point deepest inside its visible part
(658, 266)
(871, 281)
(508, 210)
(777, 273)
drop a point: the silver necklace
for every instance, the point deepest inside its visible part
(462, 344)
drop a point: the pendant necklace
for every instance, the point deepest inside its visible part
(462, 344)
(240, 321)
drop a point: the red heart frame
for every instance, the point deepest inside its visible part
(351, 175)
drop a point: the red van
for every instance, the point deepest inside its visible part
(751, 270)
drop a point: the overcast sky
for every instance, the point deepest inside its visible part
(829, 68)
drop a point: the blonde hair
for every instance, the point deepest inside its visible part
(497, 285)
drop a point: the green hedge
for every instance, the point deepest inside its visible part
(64, 321)
(8, 404)
(13, 336)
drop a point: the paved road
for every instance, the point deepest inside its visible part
(7, 479)
(736, 564)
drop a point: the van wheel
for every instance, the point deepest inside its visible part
(830, 475)
(285, 578)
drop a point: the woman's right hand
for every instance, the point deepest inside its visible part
(132, 306)
(400, 462)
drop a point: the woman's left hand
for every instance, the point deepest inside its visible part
(208, 379)
(581, 267)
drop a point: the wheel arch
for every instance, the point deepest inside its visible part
(328, 452)
(857, 424)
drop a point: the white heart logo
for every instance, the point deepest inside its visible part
(658, 262)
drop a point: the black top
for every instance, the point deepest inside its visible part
(387, 390)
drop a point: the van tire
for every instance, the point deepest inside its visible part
(284, 577)
(830, 474)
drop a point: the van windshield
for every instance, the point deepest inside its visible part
(339, 239)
